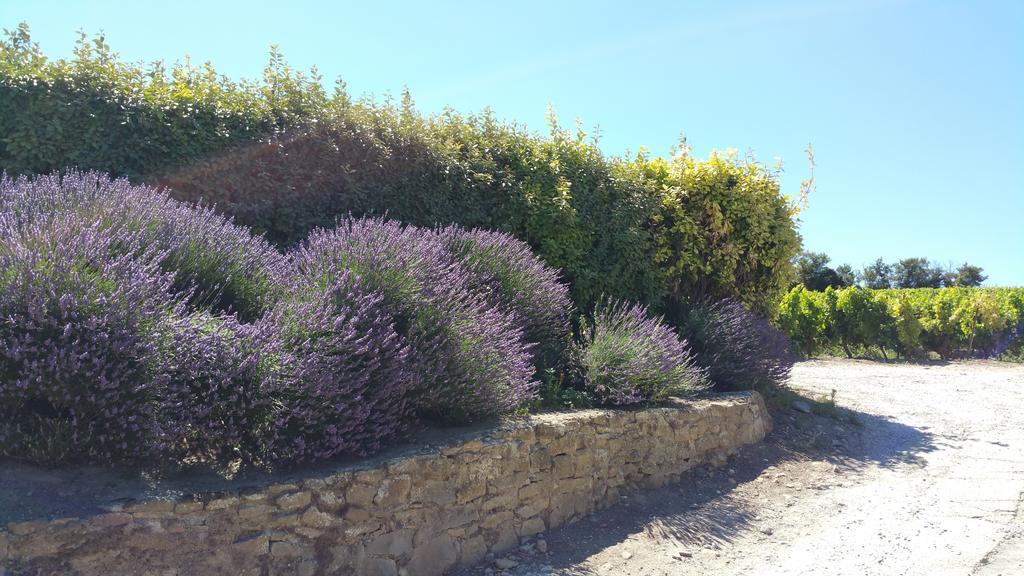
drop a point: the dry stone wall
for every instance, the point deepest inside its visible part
(417, 515)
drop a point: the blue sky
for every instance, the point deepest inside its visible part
(915, 108)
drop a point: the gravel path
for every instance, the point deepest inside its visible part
(920, 471)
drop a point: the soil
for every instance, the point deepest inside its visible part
(914, 469)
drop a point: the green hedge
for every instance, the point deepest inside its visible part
(951, 322)
(722, 229)
(283, 156)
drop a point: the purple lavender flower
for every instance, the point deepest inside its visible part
(740, 349)
(346, 377)
(214, 374)
(470, 355)
(77, 320)
(222, 267)
(627, 356)
(505, 270)
(133, 326)
(104, 353)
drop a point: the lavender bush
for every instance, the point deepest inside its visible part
(215, 373)
(347, 374)
(471, 355)
(77, 320)
(505, 270)
(483, 367)
(133, 326)
(220, 266)
(108, 350)
(627, 356)
(740, 349)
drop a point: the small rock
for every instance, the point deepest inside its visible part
(679, 555)
(801, 406)
(767, 531)
(627, 555)
(542, 545)
(506, 563)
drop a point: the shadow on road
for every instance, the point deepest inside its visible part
(845, 437)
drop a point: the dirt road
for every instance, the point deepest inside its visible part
(920, 471)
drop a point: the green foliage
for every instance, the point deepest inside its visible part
(962, 318)
(917, 273)
(802, 317)
(723, 230)
(847, 275)
(283, 156)
(951, 322)
(907, 325)
(877, 275)
(861, 320)
(814, 272)
(920, 273)
(966, 275)
(556, 393)
(97, 112)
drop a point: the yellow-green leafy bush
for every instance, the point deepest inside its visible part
(723, 229)
(951, 322)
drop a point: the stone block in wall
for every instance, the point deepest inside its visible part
(435, 556)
